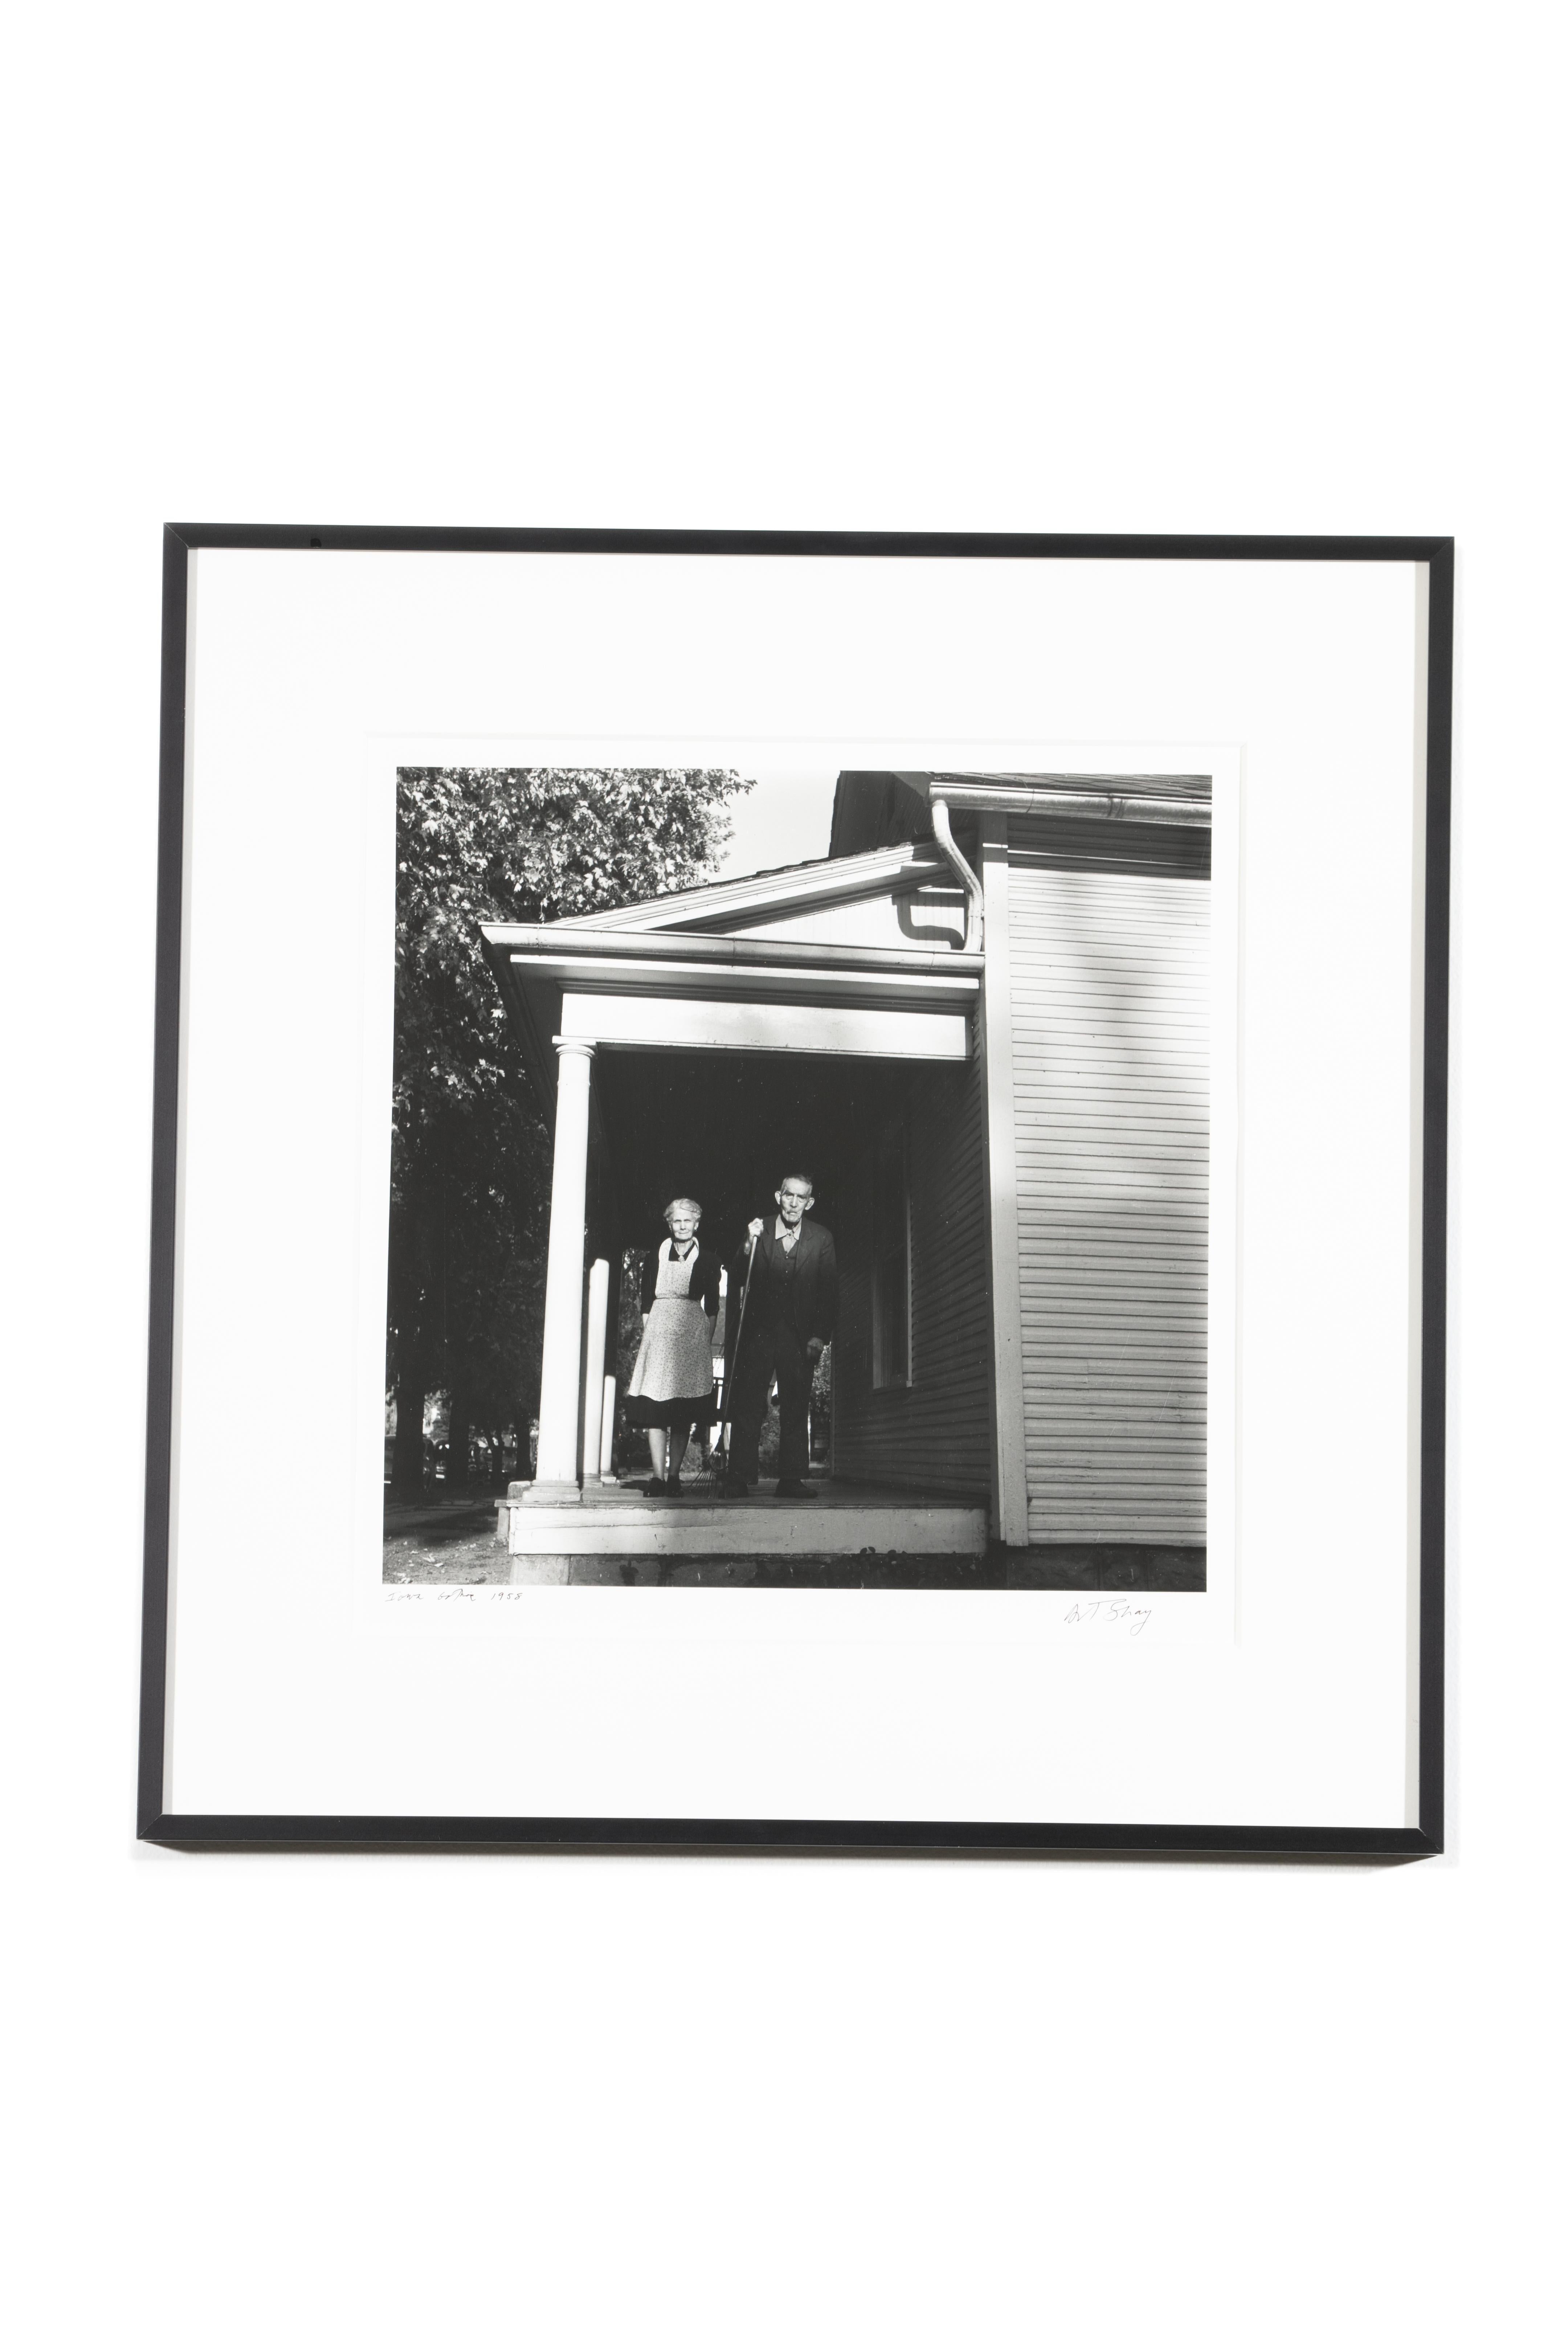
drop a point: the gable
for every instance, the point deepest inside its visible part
(929, 917)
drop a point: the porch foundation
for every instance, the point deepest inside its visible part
(614, 1523)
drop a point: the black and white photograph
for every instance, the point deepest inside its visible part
(800, 1177)
(784, 1564)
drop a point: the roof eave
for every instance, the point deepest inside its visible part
(1132, 800)
(538, 956)
(789, 889)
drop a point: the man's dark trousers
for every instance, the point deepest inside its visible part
(766, 1350)
(792, 1298)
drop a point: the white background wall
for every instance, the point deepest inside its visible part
(1135, 267)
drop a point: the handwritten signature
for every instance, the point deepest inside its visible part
(1130, 1615)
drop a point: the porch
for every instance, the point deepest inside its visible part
(619, 1523)
(689, 1055)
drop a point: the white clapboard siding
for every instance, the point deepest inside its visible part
(1109, 994)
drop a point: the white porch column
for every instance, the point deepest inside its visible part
(558, 1391)
(1010, 1513)
(607, 1434)
(593, 1368)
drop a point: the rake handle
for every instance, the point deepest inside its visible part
(734, 1353)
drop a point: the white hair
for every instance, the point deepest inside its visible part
(683, 1202)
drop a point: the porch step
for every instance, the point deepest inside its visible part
(634, 1526)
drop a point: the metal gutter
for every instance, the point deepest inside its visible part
(1126, 798)
(974, 902)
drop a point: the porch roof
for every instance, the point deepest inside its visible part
(677, 947)
(778, 891)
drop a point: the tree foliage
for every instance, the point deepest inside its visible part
(470, 1169)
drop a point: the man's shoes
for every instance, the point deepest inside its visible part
(790, 1490)
(735, 1490)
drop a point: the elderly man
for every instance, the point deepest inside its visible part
(790, 1313)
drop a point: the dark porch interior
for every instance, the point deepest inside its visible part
(725, 1127)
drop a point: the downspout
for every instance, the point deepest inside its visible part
(974, 918)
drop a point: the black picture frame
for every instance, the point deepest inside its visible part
(726, 1836)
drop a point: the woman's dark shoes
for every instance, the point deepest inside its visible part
(790, 1490)
(655, 1486)
(672, 1485)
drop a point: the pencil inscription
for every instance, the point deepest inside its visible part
(1130, 1615)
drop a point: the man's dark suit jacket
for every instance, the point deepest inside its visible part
(815, 1282)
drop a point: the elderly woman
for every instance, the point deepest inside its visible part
(672, 1384)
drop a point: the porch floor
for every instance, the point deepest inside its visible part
(621, 1522)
